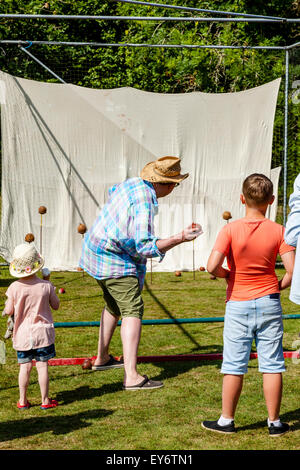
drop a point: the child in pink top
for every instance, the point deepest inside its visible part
(29, 300)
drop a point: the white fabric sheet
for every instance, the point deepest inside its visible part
(63, 146)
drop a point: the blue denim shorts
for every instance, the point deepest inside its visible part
(39, 354)
(259, 320)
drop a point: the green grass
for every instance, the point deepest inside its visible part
(94, 413)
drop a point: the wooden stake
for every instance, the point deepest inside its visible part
(42, 210)
(194, 274)
(41, 234)
(82, 229)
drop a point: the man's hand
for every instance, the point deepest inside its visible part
(188, 234)
(191, 232)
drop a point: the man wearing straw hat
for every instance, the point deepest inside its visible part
(115, 252)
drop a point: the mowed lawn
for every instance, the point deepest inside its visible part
(94, 412)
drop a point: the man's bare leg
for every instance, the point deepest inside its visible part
(130, 334)
(108, 325)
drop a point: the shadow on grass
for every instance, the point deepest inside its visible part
(167, 311)
(17, 429)
(52, 379)
(286, 417)
(168, 371)
(78, 298)
(173, 369)
(79, 277)
(86, 392)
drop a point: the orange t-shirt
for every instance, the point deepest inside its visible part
(251, 247)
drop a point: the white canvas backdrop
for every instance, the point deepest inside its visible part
(63, 146)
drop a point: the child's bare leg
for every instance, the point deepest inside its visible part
(272, 385)
(43, 377)
(232, 387)
(24, 375)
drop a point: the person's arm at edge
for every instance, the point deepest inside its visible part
(214, 264)
(288, 260)
(292, 228)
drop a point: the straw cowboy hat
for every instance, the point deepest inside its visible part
(163, 170)
(26, 261)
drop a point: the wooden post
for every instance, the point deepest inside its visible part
(82, 229)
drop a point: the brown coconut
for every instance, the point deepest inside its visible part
(81, 229)
(227, 215)
(29, 238)
(42, 210)
(87, 364)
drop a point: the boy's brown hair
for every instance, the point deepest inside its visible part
(257, 189)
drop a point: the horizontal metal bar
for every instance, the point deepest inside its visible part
(191, 9)
(161, 321)
(167, 46)
(146, 18)
(164, 321)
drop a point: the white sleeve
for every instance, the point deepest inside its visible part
(292, 229)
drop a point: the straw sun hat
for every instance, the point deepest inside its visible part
(26, 261)
(163, 170)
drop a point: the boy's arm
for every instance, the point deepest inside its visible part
(288, 260)
(214, 264)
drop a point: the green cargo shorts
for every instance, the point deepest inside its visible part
(122, 296)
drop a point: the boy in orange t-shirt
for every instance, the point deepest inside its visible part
(253, 308)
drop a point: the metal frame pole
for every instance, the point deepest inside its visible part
(43, 65)
(285, 151)
(162, 321)
(296, 44)
(167, 46)
(147, 18)
(190, 9)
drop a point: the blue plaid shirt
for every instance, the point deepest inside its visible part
(122, 237)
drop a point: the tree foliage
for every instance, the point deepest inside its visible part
(163, 70)
(160, 70)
